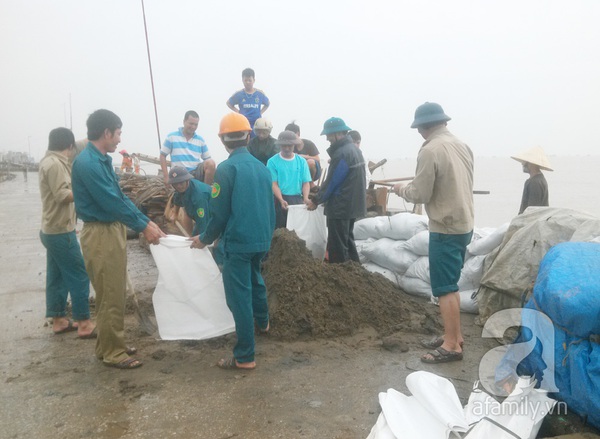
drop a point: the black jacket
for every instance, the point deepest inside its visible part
(343, 191)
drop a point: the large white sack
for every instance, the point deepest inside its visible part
(400, 226)
(390, 254)
(468, 301)
(488, 243)
(388, 274)
(433, 412)
(415, 286)
(189, 299)
(359, 248)
(310, 226)
(471, 273)
(419, 244)
(420, 269)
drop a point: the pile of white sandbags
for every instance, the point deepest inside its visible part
(398, 248)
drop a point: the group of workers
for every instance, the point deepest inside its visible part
(239, 204)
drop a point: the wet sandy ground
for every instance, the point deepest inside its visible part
(52, 386)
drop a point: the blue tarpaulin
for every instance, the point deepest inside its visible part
(567, 290)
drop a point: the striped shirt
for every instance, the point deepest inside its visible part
(184, 152)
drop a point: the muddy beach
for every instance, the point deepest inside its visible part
(339, 336)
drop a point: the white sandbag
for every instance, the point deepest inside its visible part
(189, 298)
(359, 249)
(488, 243)
(468, 301)
(400, 226)
(420, 269)
(520, 414)
(406, 225)
(376, 227)
(419, 244)
(433, 412)
(471, 273)
(389, 253)
(415, 286)
(310, 226)
(388, 274)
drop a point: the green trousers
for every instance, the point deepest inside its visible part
(104, 247)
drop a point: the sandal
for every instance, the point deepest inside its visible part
(128, 363)
(441, 355)
(69, 328)
(435, 342)
(232, 364)
(91, 335)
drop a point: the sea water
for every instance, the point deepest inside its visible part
(572, 184)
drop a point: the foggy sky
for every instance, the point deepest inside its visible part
(511, 74)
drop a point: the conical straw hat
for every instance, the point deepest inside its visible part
(535, 156)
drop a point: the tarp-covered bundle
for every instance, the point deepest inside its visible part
(567, 290)
(512, 267)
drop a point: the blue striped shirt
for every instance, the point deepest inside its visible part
(184, 152)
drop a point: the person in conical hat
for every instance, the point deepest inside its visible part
(535, 192)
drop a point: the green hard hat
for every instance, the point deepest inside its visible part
(334, 125)
(428, 113)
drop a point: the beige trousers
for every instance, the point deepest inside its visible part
(104, 247)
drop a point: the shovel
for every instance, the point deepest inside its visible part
(147, 325)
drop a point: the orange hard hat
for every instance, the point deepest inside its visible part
(233, 123)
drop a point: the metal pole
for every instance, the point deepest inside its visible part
(151, 75)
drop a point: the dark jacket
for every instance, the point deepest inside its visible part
(343, 191)
(263, 150)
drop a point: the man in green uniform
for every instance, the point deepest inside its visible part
(242, 212)
(105, 212)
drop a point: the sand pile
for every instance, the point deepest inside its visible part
(310, 299)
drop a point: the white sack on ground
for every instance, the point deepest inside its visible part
(468, 301)
(189, 299)
(400, 226)
(359, 248)
(471, 273)
(520, 414)
(420, 269)
(486, 244)
(390, 254)
(388, 274)
(419, 244)
(415, 286)
(310, 226)
(433, 412)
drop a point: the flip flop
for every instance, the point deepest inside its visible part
(435, 342)
(441, 355)
(128, 363)
(231, 364)
(91, 335)
(69, 328)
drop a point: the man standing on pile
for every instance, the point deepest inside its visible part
(444, 183)
(243, 214)
(343, 192)
(106, 212)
